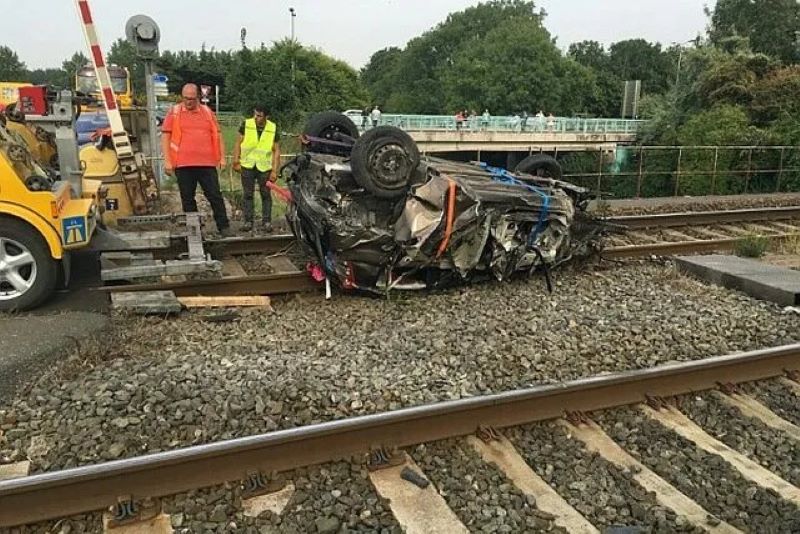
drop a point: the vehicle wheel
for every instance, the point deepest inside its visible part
(383, 161)
(541, 165)
(332, 126)
(28, 273)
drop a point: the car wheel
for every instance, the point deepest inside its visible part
(541, 165)
(383, 161)
(331, 126)
(28, 273)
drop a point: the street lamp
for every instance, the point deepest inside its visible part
(680, 59)
(294, 14)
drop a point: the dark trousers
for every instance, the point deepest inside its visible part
(251, 177)
(188, 178)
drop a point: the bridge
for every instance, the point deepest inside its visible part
(440, 133)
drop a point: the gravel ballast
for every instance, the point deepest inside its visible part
(328, 499)
(478, 493)
(162, 384)
(706, 478)
(601, 492)
(778, 397)
(771, 448)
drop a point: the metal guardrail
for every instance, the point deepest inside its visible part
(516, 124)
(479, 123)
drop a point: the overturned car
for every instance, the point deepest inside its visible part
(378, 216)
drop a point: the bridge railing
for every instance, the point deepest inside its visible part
(516, 124)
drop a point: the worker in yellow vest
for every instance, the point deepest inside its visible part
(257, 155)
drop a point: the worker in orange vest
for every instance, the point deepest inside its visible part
(194, 152)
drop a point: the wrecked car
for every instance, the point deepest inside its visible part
(378, 216)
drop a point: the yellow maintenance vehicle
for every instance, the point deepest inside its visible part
(86, 83)
(9, 92)
(42, 217)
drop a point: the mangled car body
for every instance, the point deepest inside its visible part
(378, 216)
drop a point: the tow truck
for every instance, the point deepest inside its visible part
(42, 217)
(46, 214)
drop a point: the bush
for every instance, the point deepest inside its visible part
(752, 246)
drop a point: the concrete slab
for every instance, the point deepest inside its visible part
(757, 279)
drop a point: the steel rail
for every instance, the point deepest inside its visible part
(240, 246)
(697, 218)
(269, 284)
(668, 248)
(85, 489)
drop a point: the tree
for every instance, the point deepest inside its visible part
(11, 68)
(771, 26)
(516, 67)
(423, 64)
(70, 68)
(638, 59)
(590, 54)
(291, 81)
(605, 97)
(380, 75)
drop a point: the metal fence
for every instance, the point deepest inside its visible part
(657, 171)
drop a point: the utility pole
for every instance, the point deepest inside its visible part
(293, 13)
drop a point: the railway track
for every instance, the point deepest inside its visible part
(378, 438)
(643, 236)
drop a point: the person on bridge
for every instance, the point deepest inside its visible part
(376, 116)
(257, 156)
(194, 152)
(540, 121)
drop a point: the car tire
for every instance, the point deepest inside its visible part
(383, 161)
(540, 165)
(16, 239)
(332, 126)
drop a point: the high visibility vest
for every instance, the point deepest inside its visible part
(257, 151)
(177, 133)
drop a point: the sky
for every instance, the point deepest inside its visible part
(45, 33)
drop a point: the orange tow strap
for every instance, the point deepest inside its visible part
(451, 212)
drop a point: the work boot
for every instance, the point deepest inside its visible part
(267, 228)
(226, 232)
(247, 227)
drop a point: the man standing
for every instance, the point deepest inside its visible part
(257, 156)
(376, 116)
(193, 152)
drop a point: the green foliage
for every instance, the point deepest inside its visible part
(11, 68)
(638, 59)
(535, 76)
(752, 246)
(770, 26)
(380, 74)
(69, 68)
(415, 80)
(292, 82)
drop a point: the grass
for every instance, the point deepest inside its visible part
(752, 246)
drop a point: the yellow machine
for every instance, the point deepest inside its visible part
(40, 223)
(100, 162)
(9, 92)
(38, 141)
(86, 82)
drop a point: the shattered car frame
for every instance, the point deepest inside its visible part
(452, 223)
